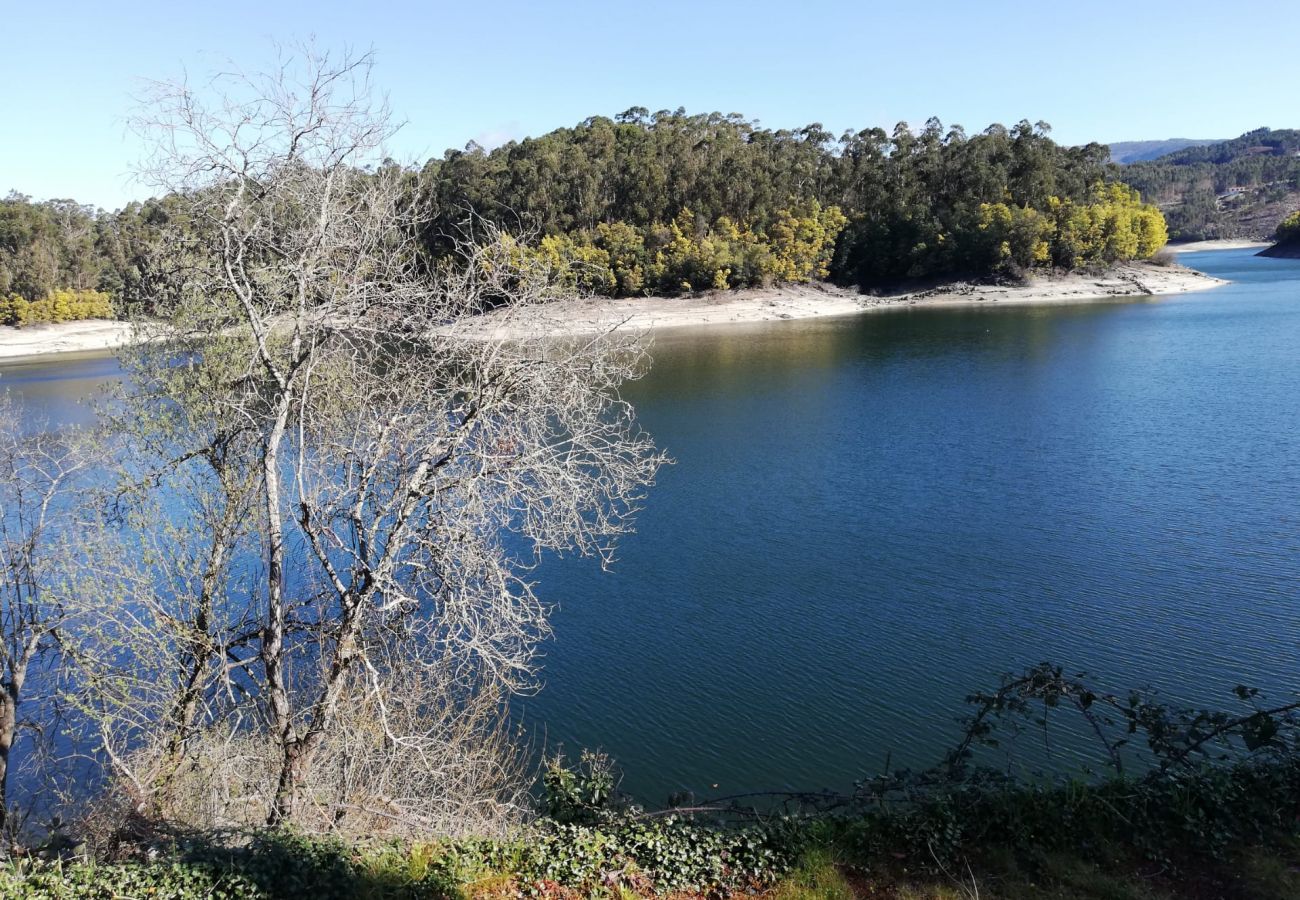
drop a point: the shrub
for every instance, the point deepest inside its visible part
(1215, 782)
(87, 881)
(59, 306)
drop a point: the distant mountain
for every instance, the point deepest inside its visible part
(1262, 143)
(1125, 152)
(1240, 188)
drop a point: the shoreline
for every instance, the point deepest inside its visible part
(595, 315)
(1218, 244)
(50, 339)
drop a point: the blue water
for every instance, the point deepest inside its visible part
(870, 517)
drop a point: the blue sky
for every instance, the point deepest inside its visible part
(491, 71)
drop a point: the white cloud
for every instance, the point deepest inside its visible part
(491, 138)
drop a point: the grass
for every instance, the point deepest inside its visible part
(818, 877)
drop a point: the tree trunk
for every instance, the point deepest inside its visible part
(273, 645)
(8, 728)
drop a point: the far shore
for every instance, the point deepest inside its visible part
(595, 315)
(635, 314)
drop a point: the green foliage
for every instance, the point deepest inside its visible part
(1012, 239)
(44, 246)
(669, 202)
(803, 240)
(1289, 230)
(585, 794)
(89, 881)
(922, 822)
(59, 247)
(1164, 817)
(1173, 819)
(680, 203)
(669, 853)
(815, 878)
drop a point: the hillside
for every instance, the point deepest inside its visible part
(1242, 188)
(1126, 152)
(669, 203)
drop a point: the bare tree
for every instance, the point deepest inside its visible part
(408, 470)
(163, 631)
(37, 476)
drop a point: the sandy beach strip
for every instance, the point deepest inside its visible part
(1218, 244)
(595, 315)
(63, 337)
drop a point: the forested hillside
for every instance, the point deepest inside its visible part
(1239, 188)
(667, 202)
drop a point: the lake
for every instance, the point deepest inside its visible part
(871, 516)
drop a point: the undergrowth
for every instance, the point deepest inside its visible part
(1213, 814)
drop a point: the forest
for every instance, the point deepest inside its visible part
(665, 203)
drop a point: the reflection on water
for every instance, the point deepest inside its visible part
(59, 390)
(872, 516)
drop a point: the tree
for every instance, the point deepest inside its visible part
(407, 475)
(38, 472)
(1289, 230)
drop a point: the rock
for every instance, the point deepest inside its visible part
(1282, 250)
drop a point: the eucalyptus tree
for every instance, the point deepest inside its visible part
(406, 470)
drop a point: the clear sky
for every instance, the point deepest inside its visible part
(491, 70)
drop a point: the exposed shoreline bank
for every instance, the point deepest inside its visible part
(1217, 244)
(63, 337)
(634, 314)
(595, 315)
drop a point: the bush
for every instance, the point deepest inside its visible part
(1214, 782)
(86, 881)
(1170, 819)
(59, 306)
(584, 795)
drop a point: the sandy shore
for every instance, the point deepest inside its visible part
(634, 314)
(1222, 244)
(596, 315)
(65, 337)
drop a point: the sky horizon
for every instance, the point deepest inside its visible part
(1109, 72)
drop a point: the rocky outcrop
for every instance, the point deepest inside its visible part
(1283, 250)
